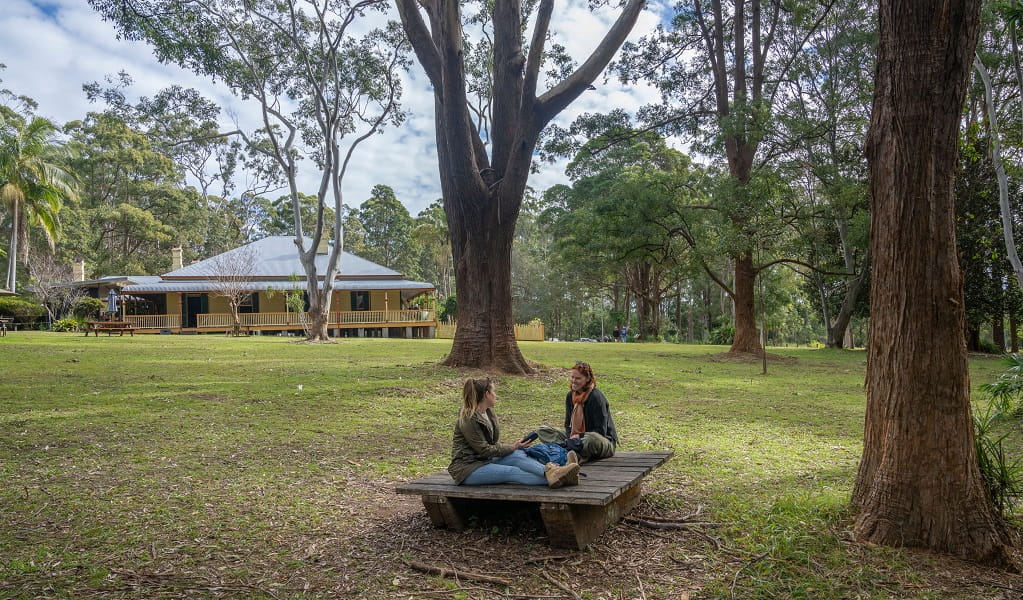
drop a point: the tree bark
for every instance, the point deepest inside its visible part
(747, 338)
(918, 483)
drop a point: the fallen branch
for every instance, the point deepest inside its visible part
(670, 524)
(560, 585)
(442, 572)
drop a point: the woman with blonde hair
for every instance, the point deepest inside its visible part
(477, 457)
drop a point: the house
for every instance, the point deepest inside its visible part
(369, 300)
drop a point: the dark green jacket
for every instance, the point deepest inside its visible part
(474, 444)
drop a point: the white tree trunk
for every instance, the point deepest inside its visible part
(1003, 184)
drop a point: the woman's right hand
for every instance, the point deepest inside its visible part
(520, 444)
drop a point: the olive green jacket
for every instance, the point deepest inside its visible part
(474, 444)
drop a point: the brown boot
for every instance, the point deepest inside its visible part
(573, 458)
(560, 476)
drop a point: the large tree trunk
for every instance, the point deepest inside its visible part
(485, 336)
(918, 483)
(747, 338)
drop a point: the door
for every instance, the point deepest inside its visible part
(191, 306)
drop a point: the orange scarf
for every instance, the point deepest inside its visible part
(578, 420)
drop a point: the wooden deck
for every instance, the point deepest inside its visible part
(574, 516)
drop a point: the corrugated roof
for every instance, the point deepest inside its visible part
(277, 257)
(341, 285)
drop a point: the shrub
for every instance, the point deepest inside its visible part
(22, 310)
(449, 310)
(724, 334)
(68, 324)
(88, 307)
(1002, 477)
(1008, 388)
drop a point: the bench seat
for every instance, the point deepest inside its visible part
(574, 516)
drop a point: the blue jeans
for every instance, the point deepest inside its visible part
(517, 467)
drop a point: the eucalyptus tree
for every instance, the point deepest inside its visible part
(388, 228)
(322, 78)
(133, 204)
(430, 232)
(918, 482)
(34, 181)
(720, 67)
(827, 110)
(183, 125)
(488, 116)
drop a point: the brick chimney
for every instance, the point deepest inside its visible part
(324, 246)
(78, 270)
(176, 258)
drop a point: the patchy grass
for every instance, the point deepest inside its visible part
(207, 466)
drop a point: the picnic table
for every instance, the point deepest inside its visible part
(573, 516)
(110, 327)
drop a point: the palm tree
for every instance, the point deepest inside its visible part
(32, 186)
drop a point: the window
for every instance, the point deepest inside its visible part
(360, 300)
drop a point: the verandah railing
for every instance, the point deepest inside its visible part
(286, 319)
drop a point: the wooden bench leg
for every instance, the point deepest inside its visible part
(576, 525)
(443, 513)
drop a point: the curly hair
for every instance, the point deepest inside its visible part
(586, 371)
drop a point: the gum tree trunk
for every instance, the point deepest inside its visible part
(918, 483)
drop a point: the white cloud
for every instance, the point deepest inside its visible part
(51, 49)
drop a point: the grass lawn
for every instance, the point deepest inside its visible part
(207, 466)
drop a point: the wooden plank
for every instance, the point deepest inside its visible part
(574, 526)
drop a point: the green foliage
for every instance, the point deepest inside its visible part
(68, 324)
(387, 231)
(449, 311)
(35, 182)
(1006, 391)
(88, 307)
(21, 309)
(1002, 474)
(723, 334)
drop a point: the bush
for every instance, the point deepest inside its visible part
(1002, 477)
(724, 335)
(68, 324)
(88, 307)
(449, 310)
(1008, 388)
(23, 311)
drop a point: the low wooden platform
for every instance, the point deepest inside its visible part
(574, 516)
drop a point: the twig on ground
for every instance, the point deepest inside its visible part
(560, 585)
(670, 524)
(442, 572)
(996, 585)
(540, 559)
(642, 594)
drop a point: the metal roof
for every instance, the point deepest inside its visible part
(341, 285)
(277, 257)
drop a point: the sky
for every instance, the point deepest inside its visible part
(52, 47)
